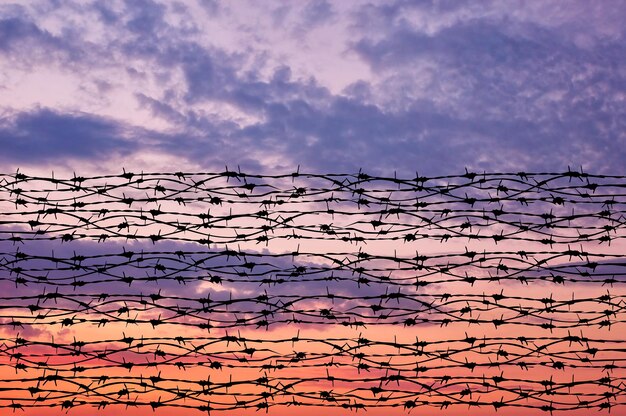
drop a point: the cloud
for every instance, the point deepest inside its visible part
(452, 84)
(13, 30)
(27, 42)
(316, 12)
(526, 91)
(45, 135)
(211, 6)
(146, 16)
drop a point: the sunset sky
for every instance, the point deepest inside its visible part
(389, 88)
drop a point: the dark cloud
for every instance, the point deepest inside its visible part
(14, 31)
(205, 72)
(211, 6)
(105, 13)
(160, 109)
(24, 41)
(146, 16)
(316, 12)
(474, 43)
(45, 135)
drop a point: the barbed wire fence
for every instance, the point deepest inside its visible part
(225, 291)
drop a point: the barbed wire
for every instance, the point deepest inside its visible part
(487, 290)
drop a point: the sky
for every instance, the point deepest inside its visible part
(432, 86)
(384, 87)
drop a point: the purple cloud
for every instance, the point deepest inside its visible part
(449, 85)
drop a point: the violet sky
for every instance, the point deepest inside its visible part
(433, 86)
